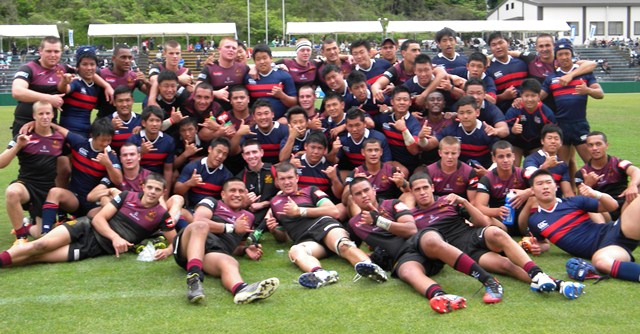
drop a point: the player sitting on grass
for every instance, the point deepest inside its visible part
(609, 174)
(207, 246)
(127, 220)
(92, 161)
(37, 153)
(566, 223)
(309, 218)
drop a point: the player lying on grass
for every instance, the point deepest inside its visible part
(128, 219)
(207, 246)
(566, 223)
(386, 225)
(444, 219)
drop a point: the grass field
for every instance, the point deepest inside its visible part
(109, 295)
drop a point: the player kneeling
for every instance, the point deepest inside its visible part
(207, 246)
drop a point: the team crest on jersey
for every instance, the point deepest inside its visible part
(268, 179)
(517, 184)
(59, 73)
(459, 181)
(129, 79)
(238, 72)
(151, 215)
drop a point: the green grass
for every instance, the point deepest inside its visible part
(109, 295)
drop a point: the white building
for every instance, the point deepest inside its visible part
(600, 19)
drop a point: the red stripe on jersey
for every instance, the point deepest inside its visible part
(87, 165)
(374, 79)
(79, 104)
(560, 223)
(84, 98)
(355, 158)
(207, 189)
(474, 150)
(270, 150)
(153, 159)
(512, 79)
(87, 170)
(394, 138)
(264, 86)
(568, 227)
(563, 91)
(307, 181)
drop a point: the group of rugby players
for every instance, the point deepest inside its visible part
(419, 158)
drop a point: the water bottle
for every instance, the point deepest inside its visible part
(512, 211)
(254, 237)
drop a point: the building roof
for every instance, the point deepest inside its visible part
(296, 28)
(29, 30)
(478, 26)
(581, 3)
(162, 29)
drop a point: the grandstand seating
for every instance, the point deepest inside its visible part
(618, 60)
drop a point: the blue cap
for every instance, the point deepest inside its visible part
(563, 44)
(86, 52)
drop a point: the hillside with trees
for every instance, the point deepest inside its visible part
(80, 13)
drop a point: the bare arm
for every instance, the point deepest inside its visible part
(101, 224)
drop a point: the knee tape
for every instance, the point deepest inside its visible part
(347, 242)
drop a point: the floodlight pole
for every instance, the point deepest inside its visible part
(248, 23)
(266, 22)
(283, 32)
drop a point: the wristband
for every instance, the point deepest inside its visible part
(171, 121)
(303, 212)
(229, 228)
(383, 223)
(374, 217)
(423, 142)
(598, 194)
(408, 138)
